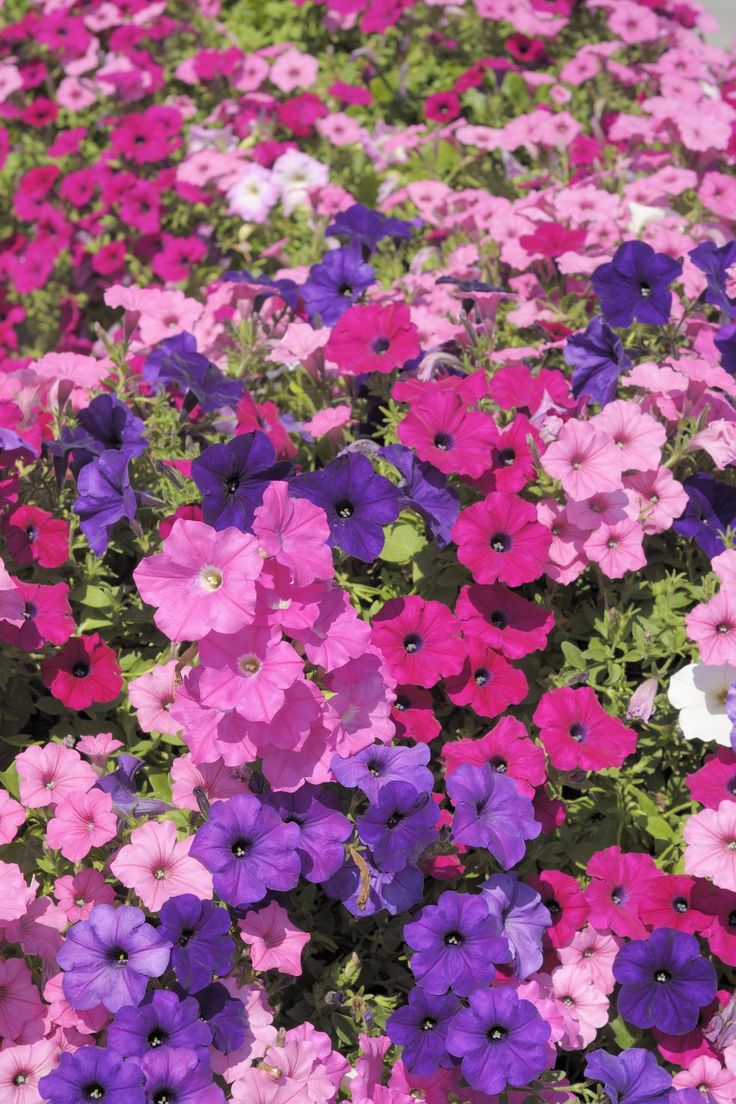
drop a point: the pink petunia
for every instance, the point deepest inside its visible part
(249, 670)
(295, 532)
(500, 540)
(707, 1076)
(617, 548)
(217, 781)
(78, 894)
(503, 620)
(584, 461)
(20, 1003)
(21, 1068)
(442, 431)
(33, 535)
(81, 821)
(373, 338)
(275, 942)
(617, 889)
(419, 640)
(712, 625)
(637, 435)
(583, 1005)
(710, 838)
(577, 732)
(11, 601)
(50, 773)
(12, 816)
(592, 953)
(152, 694)
(657, 498)
(507, 749)
(487, 682)
(202, 581)
(156, 865)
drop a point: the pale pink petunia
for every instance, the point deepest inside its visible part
(710, 838)
(617, 548)
(301, 1078)
(592, 953)
(51, 772)
(12, 815)
(20, 1003)
(15, 894)
(99, 747)
(583, 460)
(78, 894)
(656, 498)
(583, 1006)
(632, 23)
(82, 821)
(329, 421)
(706, 1075)
(724, 566)
(152, 694)
(202, 580)
(712, 625)
(38, 930)
(295, 532)
(166, 313)
(293, 70)
(718, 439)
(604, 508)
(21, 1067)
(336, 633)
(637, 435)
(62, 1015)
(275, 942)
(359, 712)
(217, 781)
(157, 865)
(250, 670)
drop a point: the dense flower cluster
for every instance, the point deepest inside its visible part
(368, 577)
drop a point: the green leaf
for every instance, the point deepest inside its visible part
(402, 542)
(9, 779)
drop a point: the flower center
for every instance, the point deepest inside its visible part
(428, 1024)
(402, 703)
(80, 669)
(507, 457)
(496, 1033)
(380, 345)
(500, 542)
(663, 976)
(454, 939)
(577, 732)
(498, 764)
(644, 289)
(31, 532)
(680, 904)
(412, 643)
(159, 874)
(732, 919)
(443, 441)
(210, 578)
(164, 1096)
(395, 819)
(119, 957)
(482, 676)
(240, 848)
(94, 1092)
(20, 1078)
(231, 485)
(723, 627)
(249, 665)
(157, 1037)
(344, 509)
(618, 895)
(499, 619)
(553, 907)
(30, 611)
(185, 936)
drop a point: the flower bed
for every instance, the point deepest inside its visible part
(367, 517)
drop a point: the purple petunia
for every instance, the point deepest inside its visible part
(716, 262)
(490, 812)
(105, 497)
(632, 1077)
(176, 363)
(456, 944)
(109, 958)
(198, 933)
(93, 1073)
(710, 511)
(500, 1040)
(399, 825)
(665, 981)
(375, 766)
(335, 283)
(248, 849)
(166, 1021)
(232, 478)
(421, 1027)
(425, 490)
(323, 829)
(635, 285)
(597, 359)
(522, 919)
(368, 891)
(179, 1077)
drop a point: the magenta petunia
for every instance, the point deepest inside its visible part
(83, 671)
(487, 683)
(373, 338)
(577, 732)
(500, 540)
(419, 640)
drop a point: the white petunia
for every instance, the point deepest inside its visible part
(699, 692)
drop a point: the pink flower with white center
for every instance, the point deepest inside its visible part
(152, 694)
(585, 461)
(202, 581)
(20, 1003)
(295, 532)
(583, 1006)
(253, 193)
(605, 508)
(710, 836)
(638, 436)
(275, 943)
(567, 538)
(99, 747)
(249, 670)
(712, 625)
(617, 548)
(164, 314)
(81, 821)
(50, 773)
(360, 710)
(592, 953)
(12, 816)
(38, 930)
(218, 781)
(78, 893)
(21, 1067)
(293, 70)
(707, 1075)
(632, 23)
(656, 498)
(157, 865)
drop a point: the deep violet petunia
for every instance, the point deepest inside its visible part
(104, 498)
(632, 1077)
(425, 489)
(664, 980)
(710, 511)
(335, 283)
(597, 359)
(398, 825)
(164, 1021)
(323, 829)
(374, 766)
(490, 812)
(201, 947)
(420, 1027)
(92, 1073)
(716, 262)
(232, 478)
(175, 362)
(635, 285)
(179, 1076)
(368, 891)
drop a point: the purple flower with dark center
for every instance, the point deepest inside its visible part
(634, 286)
(399, 825)
(233, 477)
(335, 283)
(109, 957)
(456, 944)
(322, 826)
(632, 1077)
(165, 1021)
(179, 1077)
(725, 341)
(597, 359)
(122, 786)
(716, 262)
(366, 227)
(105, 498)
(368, 891)
(198, 933)
(358, 503)
(105, 425)
(420, 1027)
(500, 1039)
(521, 917)
(93, 1073)
(710, 511)
(425, 490)
(288, 290)
(176, 363)
(665, 981)
(225, 1016)
(248, 849)
(490, 812)
(374, 766)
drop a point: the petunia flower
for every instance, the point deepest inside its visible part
(425, 490)
(175, 362)
(157, 865)
(335, 283)
(296, 533)
(232, 478)
(50, 773)
(373, 338)
(419, 640)
(83, 671)
(95, 1073)
(164, 1021)
(105, 497)
(634, 286)
(398, 825)
(577, 732)
(35, 536)
(487, 682)
(710, 838)
(490, 812)
(81, 821)
(712, 625)
(664, 980)
(700, 691)
(201, 946)
(21, 1068)
(631, 1077)
(500, 540)
(275, 942)
(597, 359)
(584, 460)
(181, 1075)
(420, 1027)
(503, 619)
